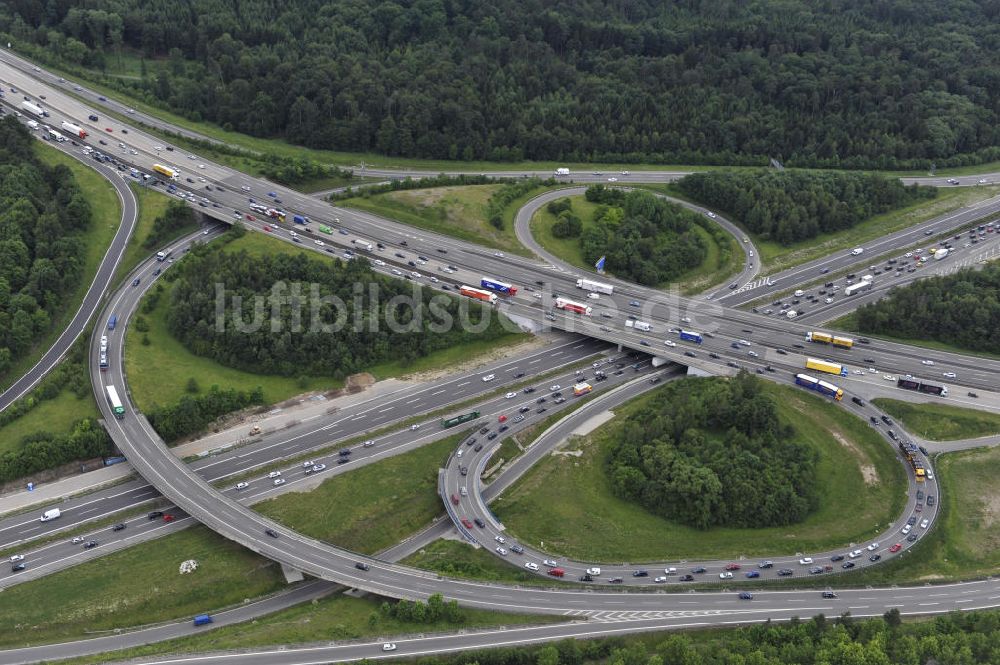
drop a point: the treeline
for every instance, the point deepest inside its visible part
(645, 239)
(833, 85)
(713, 452)
(191, 414)
(962, 309)
(299, 327)
(434, 610)
(789, 206)
(966, 638)
(43, 214)
(177, 216)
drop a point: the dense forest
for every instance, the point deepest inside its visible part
(840, 83)
(374, 322)
(644, 238)
(962, 309)
(789, 206)
(713, 452)
(42, 216)
(959, 638)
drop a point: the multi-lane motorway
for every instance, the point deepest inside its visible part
(777, 344)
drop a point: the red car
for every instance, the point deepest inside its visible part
(250, 218)
(168, 518)
(895, 548)
(502, 419)
(466, 523)
(733, 566)
(108, 129)
(267, 228)
(454, 499)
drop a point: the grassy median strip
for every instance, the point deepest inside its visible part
(566, 501)
(941, 422)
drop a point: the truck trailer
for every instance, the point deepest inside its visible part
(166, 171)
(582, 389)
(478, 294)
(570, 306)
(920, 386)
(822, 387)
(497, 285)
(825, 366)
(689, 336)
(363, 244)
(595, 287)
(827, 338)
(33, 109)
(75, 130)
(562, 170)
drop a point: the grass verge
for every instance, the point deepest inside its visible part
(459, 212)
(134, 587)
(459, 559)
(54, 415)
(107, 213)
(941, 422)
(849, 323)
(152, 204)
(373, 507)
(567, 501)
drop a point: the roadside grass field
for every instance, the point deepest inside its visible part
(459, 212)
(777, 257)
(461, 560)
(135, 587)
(372, 507)
(712, 270)
(159, 372)
(567, 502)
(107, 213)
(332, 618)
(55, 415)
(941, 422)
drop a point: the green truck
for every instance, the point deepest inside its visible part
(458, 420)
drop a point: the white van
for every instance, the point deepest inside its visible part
(798, 293)
(857, 251)
(489, 377)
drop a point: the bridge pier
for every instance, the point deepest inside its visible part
(292, 574)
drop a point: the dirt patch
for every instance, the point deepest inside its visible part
(991, 510)
(532, 344)
(868, 471)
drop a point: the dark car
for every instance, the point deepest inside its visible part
(504, 428)
(746, 595)
(781, 352)
(640, 573)
(362, 566)
(698, 571)
(848, 565)
(155, 515)
(118, 527)
(491, 436)
(586, 578)
(478, 447)
(875, 557)
(930, 500)
(829, 594)
(689, 354)
(464, 470)
(687, 578)
(271, 532)
(480, 523)
(837, 557)
(17, 567)
(89, 544)
(785, 572)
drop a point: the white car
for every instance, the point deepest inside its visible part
(670, 571)
(926, 362)
(686, 319)
(924, 523)
(670, 343)
(725, 575)
(414, 427)
(949, 375)
(274, 474)
(531, 565)
(500, 539)
(416, 275)
(752, 354)
(434, 279)
(859, 371)
(612, 179)
(743, 342)
(550, 563)
(711, 215)
(388, 646)
(157, 147)
(279, 481)
(873, 547)
(77, 540)
(660, 579)
(855, 554)
(191, 157)
(554, 387)
(397, 273)
(888, 377)
(593, 571)
(981, 181)
(201, 166)
(594, 296)
(489, 377)
(320, 243)
(805, 561)
(17, 557)
(242, 486)
(316, 468)
(501, 551)
(906, 529)
(379, 262)
(872, 370)
(908, 254)
(510, 395)
(498, 254)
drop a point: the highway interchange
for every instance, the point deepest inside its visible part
(775, 342)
